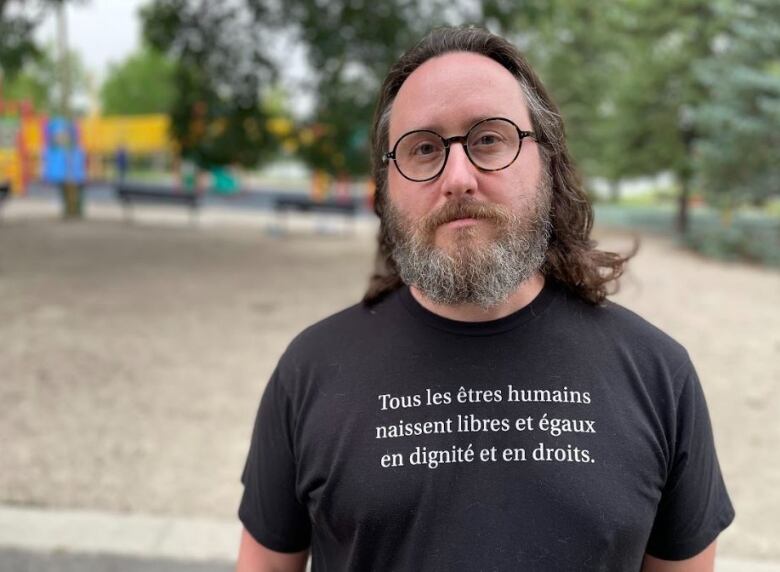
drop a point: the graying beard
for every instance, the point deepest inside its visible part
(484, 276)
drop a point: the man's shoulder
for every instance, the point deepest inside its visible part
(629, 323)
(613, 325)
(341, 331)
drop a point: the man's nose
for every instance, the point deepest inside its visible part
(459, 175)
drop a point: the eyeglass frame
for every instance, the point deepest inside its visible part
(463, 140)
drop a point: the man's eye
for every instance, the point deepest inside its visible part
(487, 139)
(424, 149)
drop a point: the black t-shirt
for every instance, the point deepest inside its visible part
(562, 437)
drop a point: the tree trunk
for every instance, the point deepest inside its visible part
(72, 195)
(682, 205)
(684, 176)
(72, 201)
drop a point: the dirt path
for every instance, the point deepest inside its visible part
(133, 359)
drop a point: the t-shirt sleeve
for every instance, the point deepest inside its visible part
(270, 508)
(694, 506)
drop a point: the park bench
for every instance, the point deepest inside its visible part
(129, 193)
(347, 206)
(5, 192)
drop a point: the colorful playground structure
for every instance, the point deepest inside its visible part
(41, 148)
(31, 145)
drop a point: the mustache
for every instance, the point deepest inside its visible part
(465, 209)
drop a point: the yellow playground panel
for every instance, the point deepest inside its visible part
(10, 169)
(139, 134)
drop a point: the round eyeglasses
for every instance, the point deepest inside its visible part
(491, 145)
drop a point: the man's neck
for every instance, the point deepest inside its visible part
(520, 298)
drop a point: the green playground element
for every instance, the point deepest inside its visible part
(224, 182)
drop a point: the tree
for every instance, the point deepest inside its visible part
(38, 80)
(219, 75)
(28, 85)
(622, 74)
(655, 94)
(739, 121)
(571, 47)
(17, 44)
(18, 20)
(143, 83)
(351, 45)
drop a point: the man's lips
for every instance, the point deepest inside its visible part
(458, 222)
(460, 215)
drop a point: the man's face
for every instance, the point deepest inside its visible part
(467, 236)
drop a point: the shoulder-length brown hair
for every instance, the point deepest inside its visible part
(571, 257)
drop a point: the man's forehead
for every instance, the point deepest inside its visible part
(450, 93)
(458, 124)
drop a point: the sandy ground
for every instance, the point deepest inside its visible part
(133, 358)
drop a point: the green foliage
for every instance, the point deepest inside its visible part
(17, 45)
(143, 83)
(18, 22)
(772, 207)
(220, 72)
(571, 46)
(28, 71)
(740, 120)
(351, 45)
(751, 236)
(647, 86)
(341, 124)
(739, 242)
(620, 72)
(28, 85)
(644, 89)
(650, 198)
(39, 80)
(632, 116)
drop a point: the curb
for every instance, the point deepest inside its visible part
(148, 536)
(164, 538)
(36, 209)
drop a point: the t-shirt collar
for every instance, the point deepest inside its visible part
(535, 308)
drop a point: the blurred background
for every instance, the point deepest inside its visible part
(184, 186)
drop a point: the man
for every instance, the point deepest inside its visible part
(484, 408)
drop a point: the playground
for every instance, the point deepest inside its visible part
(133, 160)
(135, 355)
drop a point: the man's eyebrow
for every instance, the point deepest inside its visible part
(462, 126)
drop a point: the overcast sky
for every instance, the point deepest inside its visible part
(102, 31)
(107, 31)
